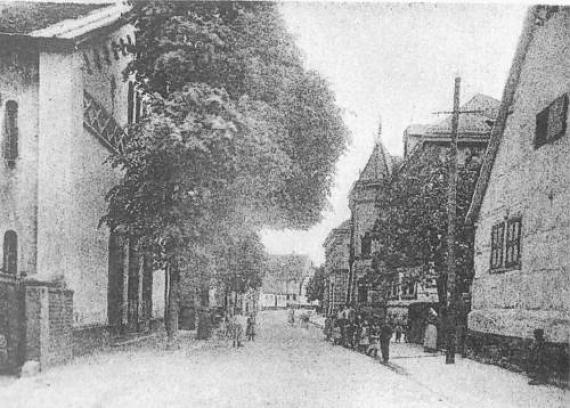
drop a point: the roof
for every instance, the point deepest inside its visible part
(284, 269)
(20, 17)
(344, 227)
(470, 124)
(511, 85)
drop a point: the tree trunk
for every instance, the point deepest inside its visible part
(173, 303)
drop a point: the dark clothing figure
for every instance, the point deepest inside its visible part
(385, 337)
(328, 329)
(398, 332)
(537, 368)
(250, 329)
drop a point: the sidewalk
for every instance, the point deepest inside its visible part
(468, 383)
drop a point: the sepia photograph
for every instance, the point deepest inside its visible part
(289, 204)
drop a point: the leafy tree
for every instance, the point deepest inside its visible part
(411, 231)
(238, 136)
(316, 285)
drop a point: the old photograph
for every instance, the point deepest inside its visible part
(296, 204)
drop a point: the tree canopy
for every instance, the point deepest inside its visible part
(411, 230)
(238, 134)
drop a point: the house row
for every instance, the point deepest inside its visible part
(66, 283)
(520, 275)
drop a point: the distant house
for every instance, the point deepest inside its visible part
(372, 181)
(337, 246)
(63, 106)
(285, 280)
(520, 207)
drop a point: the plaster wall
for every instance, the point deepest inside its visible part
(534, 184)
(19, 81)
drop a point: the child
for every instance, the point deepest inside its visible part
(328, 328)
(363, 341)
(374, 341)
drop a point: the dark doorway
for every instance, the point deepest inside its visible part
(115, 281)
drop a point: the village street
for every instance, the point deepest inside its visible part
(285, 367)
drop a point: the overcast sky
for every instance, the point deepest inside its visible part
(397, 61)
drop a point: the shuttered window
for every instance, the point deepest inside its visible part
(497, 235)
(551, 122)
(10, 147)
(513, 243)
(10, 264)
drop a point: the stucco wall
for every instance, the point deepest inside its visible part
(535, 184)
(18, 185)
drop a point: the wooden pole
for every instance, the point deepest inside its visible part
(451, 215)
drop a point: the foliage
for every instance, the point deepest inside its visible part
(238, 136)
(316, 285)
(411, 231)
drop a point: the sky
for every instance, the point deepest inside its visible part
(397, 62)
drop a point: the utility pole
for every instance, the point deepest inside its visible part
(451, 215)
(451, 292)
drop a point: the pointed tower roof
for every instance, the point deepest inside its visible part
(379, 165)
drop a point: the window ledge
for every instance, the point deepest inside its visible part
(516, 268)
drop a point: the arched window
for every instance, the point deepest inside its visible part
(11, 132)
(10, 253)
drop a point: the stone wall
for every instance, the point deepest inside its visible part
(513, 353)
(533, 184)
(48, 319)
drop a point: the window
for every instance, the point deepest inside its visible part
(497, 234)
(365, 245)
(10, 264)
(130, 102)
(11, 133)
(362, 292)
(551, 122)
(513, 243)
(506, 244)
(135, 104)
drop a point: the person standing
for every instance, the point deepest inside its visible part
(250, 330)
(430, 335)
(364, 341)
(537, 370)
(385, 337)
(398, 331)
(291, 316)
(374, 335)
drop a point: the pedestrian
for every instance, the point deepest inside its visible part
(291, 316)
(337, 333)
(250, 329)
(385, 337)
(328, 329)
(237, 325)
(374, 336)
(430, 335)
(537, 368)
(398, 331)
(364, 341)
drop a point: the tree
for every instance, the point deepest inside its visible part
(238, 136)
(316, 286)
(411, 230)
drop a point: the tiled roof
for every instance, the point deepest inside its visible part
(20, 17)
(469, 123)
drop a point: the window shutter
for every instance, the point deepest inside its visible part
(541, 128)
(11, 133)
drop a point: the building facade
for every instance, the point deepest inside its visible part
(372, 182)
(337, 249)
(285, 280)
(63, 104)
(519, 210)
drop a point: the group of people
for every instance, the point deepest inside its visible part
(366, 334)
(233, 328)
